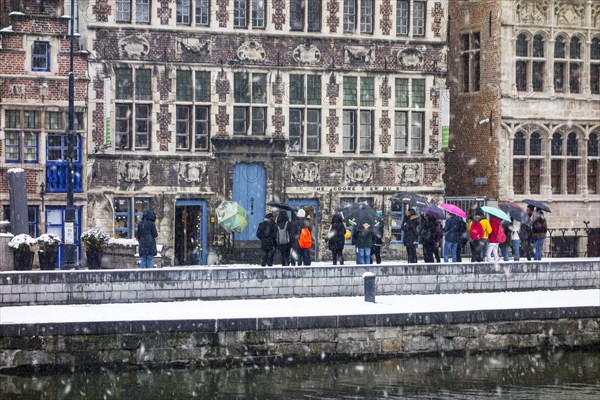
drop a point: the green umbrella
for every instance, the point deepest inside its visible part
(231, 216)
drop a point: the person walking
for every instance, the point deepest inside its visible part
(410, 225)
(451, 237)
(266, 233)
(496, 237)
(515, 229)
(283, 237)
(538, 232)
(363, 239)
(378, 241)
(146, 235)
(479, 229)
(336, 240)
(300, 238)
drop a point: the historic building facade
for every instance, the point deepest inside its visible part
(524, 78)
(34, 92)
(315, 103)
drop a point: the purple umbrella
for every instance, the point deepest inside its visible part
(433, 211)
(452, 209)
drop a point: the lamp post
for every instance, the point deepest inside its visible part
(70, 259)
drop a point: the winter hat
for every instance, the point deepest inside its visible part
(301, 213)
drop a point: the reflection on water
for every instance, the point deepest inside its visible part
(563, 375)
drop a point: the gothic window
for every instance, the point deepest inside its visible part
(470, 60)
(519, 144)
(530, 63)
(527, 162)
(595, 66)
(568, 66)
(593, 164)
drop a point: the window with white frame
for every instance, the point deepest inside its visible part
(359, 12)
(593, 163)
(470, 61)
(21, 136)
(528, 157)
(259, 16)
(595, 66)
(409, 116)
(133, 108)
(40, 56)
(305, 113)
(123, 10)
(142, 11)
(404, 25)
(250, 103)
(358, 114)
(568, 65)
(183, 12)
(530, 63)
(203, 12)
(255, 10)
(192, 110)
(305, 15)
(128, 213)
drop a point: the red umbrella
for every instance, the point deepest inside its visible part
(452, 209)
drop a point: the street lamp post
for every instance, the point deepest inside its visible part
(70, 259)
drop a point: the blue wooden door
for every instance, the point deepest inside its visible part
(57, 166)
(249, 191)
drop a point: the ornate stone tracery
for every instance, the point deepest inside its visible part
(306, 54)
(133, 171)
(305, 172)
(192, 172)
(251, 50)
(359, 172)
(532, 11)
(410, 174)
(568, 13)
(134, 46)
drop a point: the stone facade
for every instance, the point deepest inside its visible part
(140, 142)
(525, 123)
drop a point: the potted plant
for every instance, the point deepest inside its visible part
(23, 246)
(48, 250)
(94, 241)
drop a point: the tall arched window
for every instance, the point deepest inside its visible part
(575, 67)
(530, 64)
(522, 64)
(527, 162)
(593, 163)
(559, 64)
(595, 66)
(568, 65)
(572, 162)
(557, 142)
(556, 164)
(538, 64)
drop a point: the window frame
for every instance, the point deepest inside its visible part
(183, 12)
(36, 56)
(470, 54)
(197, 98)
(133, 108)
(251, 104)
(410, 104)
(131, 215)
(143, 8)
(358, 126)
(123, 11)
(305, 113)
(22, 130)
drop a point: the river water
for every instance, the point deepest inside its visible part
(559, 375)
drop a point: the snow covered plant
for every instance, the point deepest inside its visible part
(94, 239)
(122, 242)
(48, 241)
(22, 242)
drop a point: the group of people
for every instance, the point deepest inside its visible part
(485, 237)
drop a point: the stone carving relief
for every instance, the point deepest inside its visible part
(532, 11)
(358, 54)
(410, 58)
(194, 45)
(251, 51)
(596, 15)
(16, 89)
(410, 174)
(132, 171)
(305, 172)
(359, 172)
(192, 172)
(568, 13)
(134, 46)
(306, 54)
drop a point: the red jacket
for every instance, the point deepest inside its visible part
(496, 226)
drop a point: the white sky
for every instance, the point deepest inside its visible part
(296, 307)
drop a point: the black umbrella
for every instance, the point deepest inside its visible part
(410, 199)
(537, 204)
(358, 214)
(282, 206)
(516, 212)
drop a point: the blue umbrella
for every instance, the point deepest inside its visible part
(496, 212)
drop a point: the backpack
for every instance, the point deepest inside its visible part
(305, 240)
(501, 235)
(283, 236)
(476, 231)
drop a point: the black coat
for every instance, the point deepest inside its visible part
(363, 238)
(147, 234)
(335, 237)
(266, 233)
(296, 228)
(428, 231)
(410, 226)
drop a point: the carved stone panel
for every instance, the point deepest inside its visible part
(359, 172)
(410, 58)
(134, 46)
(305, 172)
(251, 51)
(568, 13)
(192, 172)
(359, 54)
(306, 54)
(195, 45)
(133, 171)
(410, 174)
(532, 11)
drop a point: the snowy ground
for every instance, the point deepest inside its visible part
(297, 307)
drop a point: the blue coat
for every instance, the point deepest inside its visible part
(452, 230)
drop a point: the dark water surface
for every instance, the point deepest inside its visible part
(560, 375)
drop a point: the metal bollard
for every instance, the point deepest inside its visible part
(369, 281)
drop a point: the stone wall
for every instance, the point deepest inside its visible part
(289, 340)
(170, 284)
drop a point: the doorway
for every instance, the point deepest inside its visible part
(249, 191)
(191, 229)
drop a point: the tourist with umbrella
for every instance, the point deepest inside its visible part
(479, 229)
(495, 238)
(525, 236)
(363, 238)
(463, 235)
(538, 232)
(410, 226)
(266, 233)
(451, 236)
(336, 239)
(537, 204)
(378, 242)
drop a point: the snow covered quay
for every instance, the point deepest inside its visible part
(310, 328)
